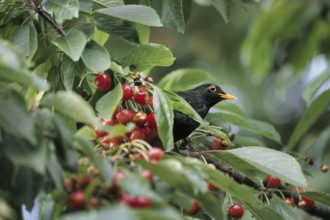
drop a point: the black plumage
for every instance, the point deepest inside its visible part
(201, 98)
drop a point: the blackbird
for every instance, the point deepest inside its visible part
(201, 98)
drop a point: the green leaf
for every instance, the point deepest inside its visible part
(159, 213)
(108, 103)
(315, 85)
(164, 118)
(321, 197)
(210, 205)
(106, 170)
(183, 79)
(171, 13)
(100, 37)
(70, 71)
(181, 105)
(22, 153)
(171, 171)
(135, 184)
(273, 162)
(111, 212)
(25, 38)
(13, 113)
(146, 56)
(13, 68)
(311, 114)
(284, 209)
(135, 13)
(96, 57)
(222, 8)
(232, 114)
(108, 4)
(70, 105)
(73, 44)
(118, 27)
(63, 9)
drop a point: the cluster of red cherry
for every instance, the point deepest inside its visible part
(77, 186)
(146, 128)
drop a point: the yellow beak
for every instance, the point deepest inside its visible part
(228, 96)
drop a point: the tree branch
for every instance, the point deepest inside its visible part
(38, 9)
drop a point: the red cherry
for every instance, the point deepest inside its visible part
(124, 116)
(143, 202)
(211, 187)
(136, 134)
(129, 200)
(147, 174)
(101, 133)
(236, 211)
(151, 120)
(289, 201)
(141, 97)
(77, 199)
(151, 102)
(306, 203)
(127, 92)
(272, 182)
(138, 156)
(155, 153)
(140, 118)
(194, 209)
(103, 81)
(217, 144)
(110, 142)
(118, 175)
(150, 133)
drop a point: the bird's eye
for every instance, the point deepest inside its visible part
(213, 88)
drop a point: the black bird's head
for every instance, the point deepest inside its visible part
(212, 94)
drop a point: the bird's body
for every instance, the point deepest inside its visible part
(201, 98)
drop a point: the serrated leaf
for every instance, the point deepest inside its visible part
(96, 57)
(222, 8)
(25, 38)
(146, 56)
(63, 9)
(314, 86)
(108, 4)
(273, 162)
(111, 212)
(70, 105)
(311, 114)
(135, 13)
(108, 103)
(232, 114)
(321, 197)
(164, 118)
(171, 13)
(73, 44)
(183, 79)
(118, 27)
